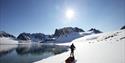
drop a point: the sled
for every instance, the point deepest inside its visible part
(70, 60)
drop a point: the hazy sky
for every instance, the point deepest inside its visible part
(45, 16)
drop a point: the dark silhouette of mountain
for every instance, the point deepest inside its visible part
(93, 30)
(123, 27)
(5, 34)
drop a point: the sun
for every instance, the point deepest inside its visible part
(70, 13)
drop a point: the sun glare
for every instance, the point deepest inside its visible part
(69, 13)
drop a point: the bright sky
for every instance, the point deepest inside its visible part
(45, 16)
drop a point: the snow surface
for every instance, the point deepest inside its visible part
(102, 48)
(5, 40)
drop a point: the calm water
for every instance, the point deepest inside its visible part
(28, 53)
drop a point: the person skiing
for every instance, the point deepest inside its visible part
(72, 47)
(71, 59)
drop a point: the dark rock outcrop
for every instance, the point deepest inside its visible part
(123, 27)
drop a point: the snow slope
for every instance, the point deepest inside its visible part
(68, 37)
(104, 48)
(73, 35)
(5, 40)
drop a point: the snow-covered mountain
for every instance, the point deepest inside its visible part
(106, 47)
(66, 30)
(6, 38)
(67, 34)
(35, 37)
(7, 35)
(24, 36)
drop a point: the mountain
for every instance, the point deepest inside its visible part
(66, 30)
(67, 34)
(38, 37)
(6, 38)
(93, 30)
(24, 36)
(35, 37)
(5, 34)
(123, 27)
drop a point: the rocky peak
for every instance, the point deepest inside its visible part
(67, 30)
(93, 30)
(24, 36)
